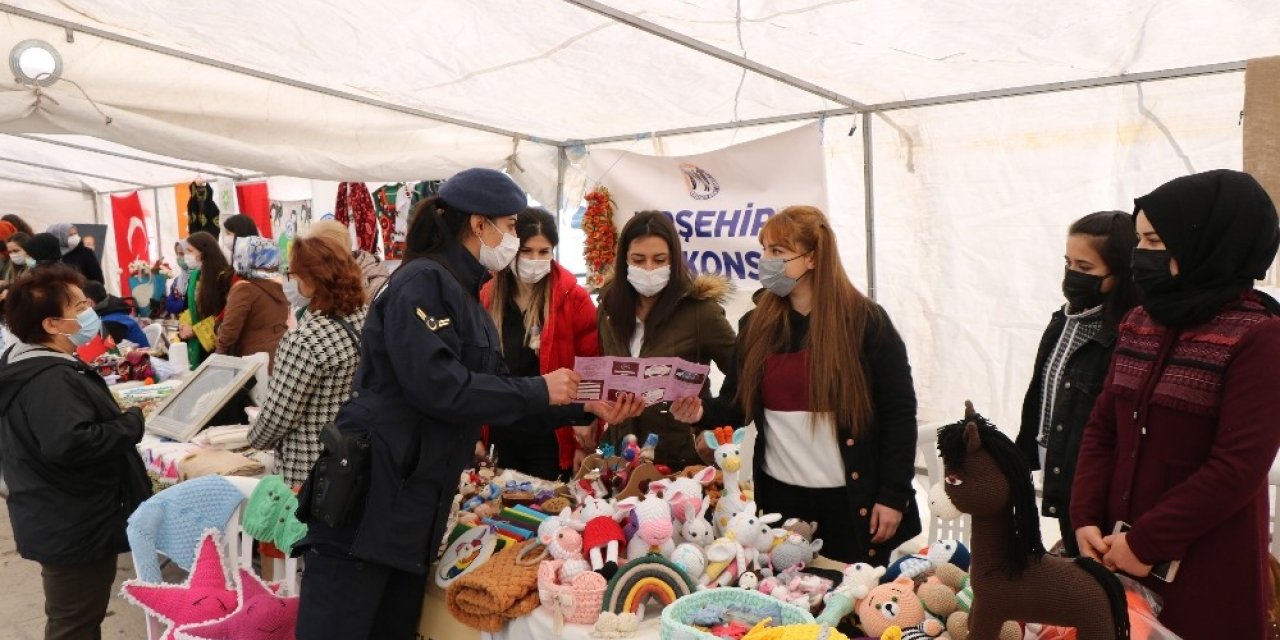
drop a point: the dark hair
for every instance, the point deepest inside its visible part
(530, 223)
(241, 225)
(335, 278)
(18, 223)
(1113, 236)
(619, 298)
(33, 298)
(20, 238)
(215, 275)
(435, 227)
(95, 291)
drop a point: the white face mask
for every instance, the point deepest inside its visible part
(295, 297)
(649, 283)
(192, 261)
(19, 259)
(499, 257)
(532, 271)
(73, 241)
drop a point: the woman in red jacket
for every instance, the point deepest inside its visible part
(1184, 432)
(546, 320)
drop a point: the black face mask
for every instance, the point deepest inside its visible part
(1151, 272)
(1083, 290)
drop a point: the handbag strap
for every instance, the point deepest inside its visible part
(351, 331)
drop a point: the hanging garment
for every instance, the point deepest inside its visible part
(202, 210)
(355, 203)
(393, 202)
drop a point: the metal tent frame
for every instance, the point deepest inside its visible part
(849, 105)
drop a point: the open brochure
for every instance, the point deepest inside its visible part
(654, 379)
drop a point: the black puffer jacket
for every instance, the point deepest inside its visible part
(69, 457)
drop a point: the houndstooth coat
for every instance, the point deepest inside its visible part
(312, 378)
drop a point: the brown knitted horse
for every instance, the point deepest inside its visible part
(1011, 575)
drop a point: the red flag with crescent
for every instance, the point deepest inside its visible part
(130, 225)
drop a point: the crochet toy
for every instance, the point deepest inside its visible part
(270, 515)
(806, 530)
(564, 543)
(793, 553)
(696, 535)
(654, 528)
(763, 631)
(987, 477)
(489, 493)
(261, 614)
(921, 566)
(204, 597)
(894, 604)
(602, 535)
(859, 579)
(735, 551)
(684, 492)
(726, 445)
(174, 521)
(577, 601)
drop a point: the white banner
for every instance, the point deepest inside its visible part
(720, 200)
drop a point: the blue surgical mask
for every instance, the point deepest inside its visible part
(90, 325)
(294, 296)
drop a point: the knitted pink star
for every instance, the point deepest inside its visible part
(203, 597)
(262, 615)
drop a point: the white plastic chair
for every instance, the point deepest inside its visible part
(238, 551)
(939, 529)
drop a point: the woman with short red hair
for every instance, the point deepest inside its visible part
(315, 362)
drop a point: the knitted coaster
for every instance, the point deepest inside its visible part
(651, 576)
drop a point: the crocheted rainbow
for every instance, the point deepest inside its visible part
(651, 577)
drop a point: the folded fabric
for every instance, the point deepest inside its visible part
(207, 462)
(229, 438)
(172, 522)
(501, 590)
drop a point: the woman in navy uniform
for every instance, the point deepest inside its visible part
(430, 375)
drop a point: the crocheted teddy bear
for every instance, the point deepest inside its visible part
(894, 604)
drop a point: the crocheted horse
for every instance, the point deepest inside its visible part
(1012, 576)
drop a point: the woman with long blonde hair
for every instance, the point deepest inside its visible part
(835, 443)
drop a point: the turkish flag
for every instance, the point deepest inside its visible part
(130, 225)
(255, 203)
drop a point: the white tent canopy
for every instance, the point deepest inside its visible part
(991, 124)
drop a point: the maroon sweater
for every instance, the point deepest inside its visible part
(1179, 445)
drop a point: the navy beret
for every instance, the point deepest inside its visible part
(484, 192)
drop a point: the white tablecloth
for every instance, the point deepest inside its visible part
(540, 625)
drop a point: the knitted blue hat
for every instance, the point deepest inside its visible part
(484, 192)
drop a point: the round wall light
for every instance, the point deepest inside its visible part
(35, 62)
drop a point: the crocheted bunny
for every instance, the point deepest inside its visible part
(565, 544)
(684, 492)
(859, 579)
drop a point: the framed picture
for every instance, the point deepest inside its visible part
(191, 407)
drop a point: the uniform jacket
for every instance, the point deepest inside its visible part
(878, 467)
(1078, 389)
(1187, 468)
(312, 378)
(697, 331)
(68, 455)
(430, 375)
(570, 331)
(254, 320)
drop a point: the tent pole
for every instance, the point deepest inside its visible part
(117, 154)
(562, 162)
(261, 75)
(71, 171)
(1052, 87)
(869, 202)
(155, 198)
(660, 31)
(97, 214)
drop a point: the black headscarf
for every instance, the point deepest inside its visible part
(1222, 229)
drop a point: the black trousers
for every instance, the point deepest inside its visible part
(76, 598)
(537, 454)
(348, 599)
(829, 507)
